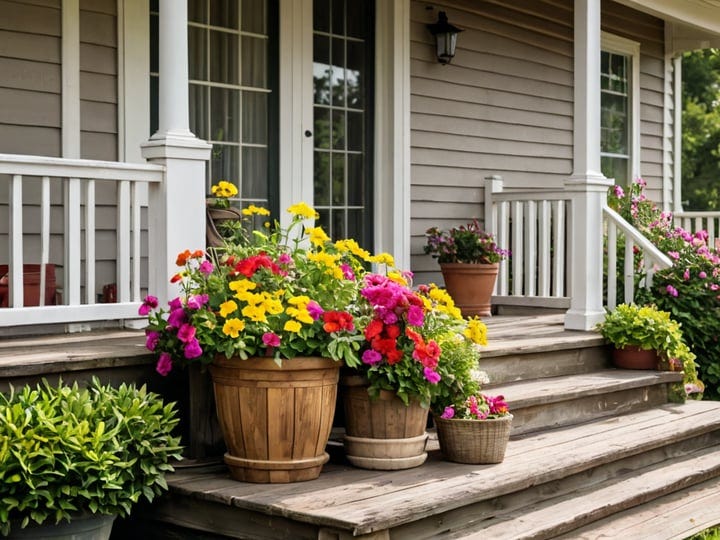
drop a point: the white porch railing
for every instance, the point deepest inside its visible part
(698, 221)
(653, 258)
(53, 207)
(534, 224)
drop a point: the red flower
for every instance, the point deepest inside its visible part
(183, 257)
(373, 329)
(417, 338)
(392, 331)
(249, 266)
(427, 354)
(335, 321)
(175, 278)
(394, 356)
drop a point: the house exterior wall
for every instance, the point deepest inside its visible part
(503, 106)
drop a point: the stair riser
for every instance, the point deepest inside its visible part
(536, 365)
(461, 522)
(581, 409)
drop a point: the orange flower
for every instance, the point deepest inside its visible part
(183, 257)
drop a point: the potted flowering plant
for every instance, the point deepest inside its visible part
(468, 258)
(414, 343)
(270, 312)
(476, 430)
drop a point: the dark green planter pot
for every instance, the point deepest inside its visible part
(89, 527)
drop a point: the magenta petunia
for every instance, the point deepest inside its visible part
(151, 339)
(315, 310)
(448, 413)
(149, 303)
(371, 357)
(177, 318)
(164, 364)
(619, 193)
(347, 272)
(433, 377)
(196, 301)
(672, 291)
(702, 275)
(206, 268)
(415, 316)
(686, 275)
(271, 339)
(193, 349)
(175, 303)
(186, 333)
(284, 258)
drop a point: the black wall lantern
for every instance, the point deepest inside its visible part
(445, 38)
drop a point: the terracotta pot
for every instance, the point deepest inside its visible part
(382, 433)
(473, 441)
(632, 357)
(275, 420)
(471, 286)
(31, 285)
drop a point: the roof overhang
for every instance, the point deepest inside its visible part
(694, 24)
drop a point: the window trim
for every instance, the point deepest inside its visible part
(619, 45)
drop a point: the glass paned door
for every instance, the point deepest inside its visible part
(343, 112)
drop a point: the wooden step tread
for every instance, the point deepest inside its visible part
(554, 389)
(362, 501)
(71, 352)
(675, 516)
(576, 509)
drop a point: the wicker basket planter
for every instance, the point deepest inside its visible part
(474, 441)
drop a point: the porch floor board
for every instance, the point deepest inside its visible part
(360, 502)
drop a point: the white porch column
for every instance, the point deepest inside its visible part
(587, 184)
(176, 207)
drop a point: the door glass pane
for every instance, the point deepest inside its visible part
(198, 11)
(224, 119)
(254, 173)
(198, 110)
(223, 57)
(224, 13)
(254, 16)
(197, 54)
(224, 163)
(254, 62)
(254, 122)
(343, 74)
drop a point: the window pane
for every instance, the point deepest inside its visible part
(224, 13)
(224, 163)
(225, 118)
(354, 82)
(338, 72)
(198, 110)
(254, 16)
(254, 62)
(321, 69)
(321, 127)
(616, 168)
(324, 220)
(223, 57)
(356, 19)
(254, 173)
(355, 131)
(338, 129)
(254, 117)
(338, 178)
(197, 54)
(338, 224)
(197, 11)
(355, 226)
(614, 124)
(356, 180)
(338, 16)
(321, 178)
(321, 15)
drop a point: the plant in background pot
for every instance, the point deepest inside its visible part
(645, 337)
(222, 220)
(412, 342)
(468, 258)
(273, 311)
(80, 455)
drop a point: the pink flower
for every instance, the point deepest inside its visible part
(672, 291)
(197, 301)
(415, 316)
(433, 377)
(175, 303)
(347, 272)
(186, 333)
(371, 357)
(164, 364)
(177, 318)
(151, 339)
(448, 413)
(702, 275)
(673, 255)
(193, 349)
(271, 339)
(206, 268)
(284, 258)
(686, 275)
(150, 303)
(315, 310)
(619, 193)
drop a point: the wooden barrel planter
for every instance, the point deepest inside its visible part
(382, 433)
(275, 420)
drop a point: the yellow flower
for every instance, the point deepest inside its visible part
(351, 246)
(317, 236)
(324, 258)
(292, 326)
(301, 300)
(383, 258)
(476, 331)
(224, 189)
(300, 315)
(226, 308)
(254, 313)
(233, 327)
(272, 306)
(253, 210)
(302, 209)
(242, 285)
(397, 277)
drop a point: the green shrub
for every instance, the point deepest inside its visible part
(66, 450)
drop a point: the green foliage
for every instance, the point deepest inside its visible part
(701, 129)
(66, 450)
(464, 244)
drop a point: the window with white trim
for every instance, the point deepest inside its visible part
(619, 108)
